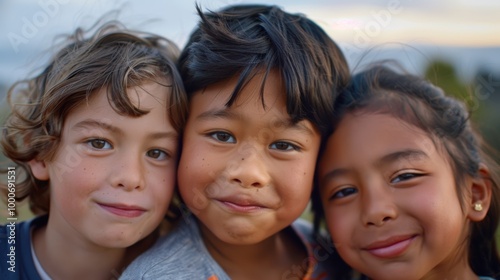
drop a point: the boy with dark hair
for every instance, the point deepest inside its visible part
(261, 84)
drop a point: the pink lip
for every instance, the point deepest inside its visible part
(391, 247)
(129, 211)
(239, 204)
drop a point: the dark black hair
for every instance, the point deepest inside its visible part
(244, 39)
(446, 120)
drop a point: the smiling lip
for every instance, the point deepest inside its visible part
(128, 211)
(242, 205)
(391, 247)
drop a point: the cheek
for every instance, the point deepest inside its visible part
(199, 175)
(440, 215)
(299, 173)
(77, 180)
(195, 161)
(340, 223)
(163, 184)
(69, 195)
(295, 182)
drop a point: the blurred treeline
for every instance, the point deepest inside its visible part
(481, 95)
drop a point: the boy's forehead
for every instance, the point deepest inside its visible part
(254, 104)
(266, 86)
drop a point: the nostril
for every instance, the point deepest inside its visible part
(257, 185)
(237, 181)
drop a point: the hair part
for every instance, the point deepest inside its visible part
(113, 58)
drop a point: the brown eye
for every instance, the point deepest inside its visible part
(99, 144)
(405, 177)
(344, 192)
(284, 146)
(223, 137)
(157, 154)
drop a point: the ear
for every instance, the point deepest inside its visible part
(39, 169)
(480, 198)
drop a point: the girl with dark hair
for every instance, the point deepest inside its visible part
(406, 186)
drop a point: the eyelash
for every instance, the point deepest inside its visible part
(93, 141)
(289, 146)
(216, 134)
(163, 155)
(402, 177)
(337, 194)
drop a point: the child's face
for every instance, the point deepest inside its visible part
(113, 176)
(246, 172)
(390, 200)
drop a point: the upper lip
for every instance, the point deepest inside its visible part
(241, 200)
(388, 241)
(123, 206)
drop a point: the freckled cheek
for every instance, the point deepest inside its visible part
(198, 169)
(71, 175)
(294, 186)
(301, 175)
(165, 184)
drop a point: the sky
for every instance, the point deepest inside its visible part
(28, 28)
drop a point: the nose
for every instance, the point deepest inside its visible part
(247, 168)
(128, 172)
(378, 205)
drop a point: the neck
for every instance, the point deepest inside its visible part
(271, 258)
(66, 256)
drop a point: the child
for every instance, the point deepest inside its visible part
(97, 135)
(260, 83)
(407, 191)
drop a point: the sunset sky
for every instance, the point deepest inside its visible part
(28, 27)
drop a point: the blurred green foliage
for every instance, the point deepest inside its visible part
(481, 95)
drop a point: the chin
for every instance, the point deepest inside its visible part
(118, 240)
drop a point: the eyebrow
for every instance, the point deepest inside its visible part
(407, 154)
(91, 123)
(215, 114)
(226, 114)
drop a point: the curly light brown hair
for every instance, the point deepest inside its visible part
(113, 58)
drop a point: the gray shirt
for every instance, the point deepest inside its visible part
(182, 255)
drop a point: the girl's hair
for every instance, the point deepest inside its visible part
(241, 40)
(446, 120)
(113, 58)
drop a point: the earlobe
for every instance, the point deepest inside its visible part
(39, 169)
(480, 195)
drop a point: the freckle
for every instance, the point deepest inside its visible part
(242, 158)
(203, 159)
